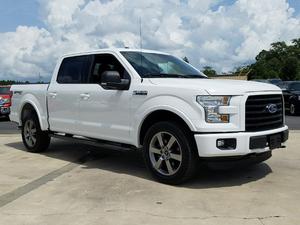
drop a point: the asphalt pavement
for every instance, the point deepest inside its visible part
(293, 122)
(7, 127)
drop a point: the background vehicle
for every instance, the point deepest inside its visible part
(262, 81)
(140, 99)
(291, 93)
(5, 100)
(275, 81)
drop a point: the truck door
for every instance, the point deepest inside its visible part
(64, 94)
(104, 114)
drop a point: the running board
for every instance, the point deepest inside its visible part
(95, 142)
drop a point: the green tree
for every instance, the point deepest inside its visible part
(280, 61)
(290, 69)
(209, 71)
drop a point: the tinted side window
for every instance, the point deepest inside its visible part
(73, 70)
(106, 62)
(295, 86)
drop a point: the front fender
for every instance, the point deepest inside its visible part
(173, 104)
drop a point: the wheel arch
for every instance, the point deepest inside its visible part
(158, 116)
(29, 106)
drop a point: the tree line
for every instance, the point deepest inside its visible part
(10, 82)
(281, 61)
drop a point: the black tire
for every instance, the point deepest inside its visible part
(185, 169)
(42, 138)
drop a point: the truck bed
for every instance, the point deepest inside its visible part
(36, 95)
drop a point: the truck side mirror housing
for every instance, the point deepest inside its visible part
(111, 80)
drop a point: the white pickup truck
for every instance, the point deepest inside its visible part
(155, 102)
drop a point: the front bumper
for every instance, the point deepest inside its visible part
(4, 110)
(206, 143)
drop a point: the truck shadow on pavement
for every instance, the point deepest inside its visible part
(132, 164)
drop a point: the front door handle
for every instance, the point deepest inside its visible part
(52, 94)
(85, 96)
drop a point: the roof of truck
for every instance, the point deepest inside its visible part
(114, 50)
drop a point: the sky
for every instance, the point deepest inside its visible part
(224, 34)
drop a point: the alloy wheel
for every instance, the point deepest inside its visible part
(165, 153)
(30, 133)
(292, 109)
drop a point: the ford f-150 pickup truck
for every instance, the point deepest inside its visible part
(154, 102)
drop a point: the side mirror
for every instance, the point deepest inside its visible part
(112, 80)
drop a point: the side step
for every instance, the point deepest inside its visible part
(94, 142)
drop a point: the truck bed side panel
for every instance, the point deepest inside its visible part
(34, 95)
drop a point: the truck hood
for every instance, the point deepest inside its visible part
(217, 86)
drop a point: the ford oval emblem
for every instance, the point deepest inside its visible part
(271, 108)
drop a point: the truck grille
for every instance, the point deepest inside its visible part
(264, 112)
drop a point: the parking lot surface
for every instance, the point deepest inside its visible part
(78, 184)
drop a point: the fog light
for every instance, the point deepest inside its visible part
(226, 144)
(220, 143)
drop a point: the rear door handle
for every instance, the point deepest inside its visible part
(85, 96)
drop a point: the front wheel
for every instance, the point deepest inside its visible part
(169, 152)
(34, 139)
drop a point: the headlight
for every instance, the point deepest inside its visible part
(211, 105)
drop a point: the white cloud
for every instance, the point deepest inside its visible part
(223, 38)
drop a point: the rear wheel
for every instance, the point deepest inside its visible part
(169, 152)
(34, 139)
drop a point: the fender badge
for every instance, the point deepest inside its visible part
(140, 92)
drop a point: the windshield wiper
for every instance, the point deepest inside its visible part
(152, 75)
(196, 76)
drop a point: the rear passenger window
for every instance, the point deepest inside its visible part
(73, 70)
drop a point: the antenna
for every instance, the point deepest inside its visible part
(40, 77)
(141, 44)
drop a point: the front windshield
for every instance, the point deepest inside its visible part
(4, 90)
(160, 65)
(295, 86)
